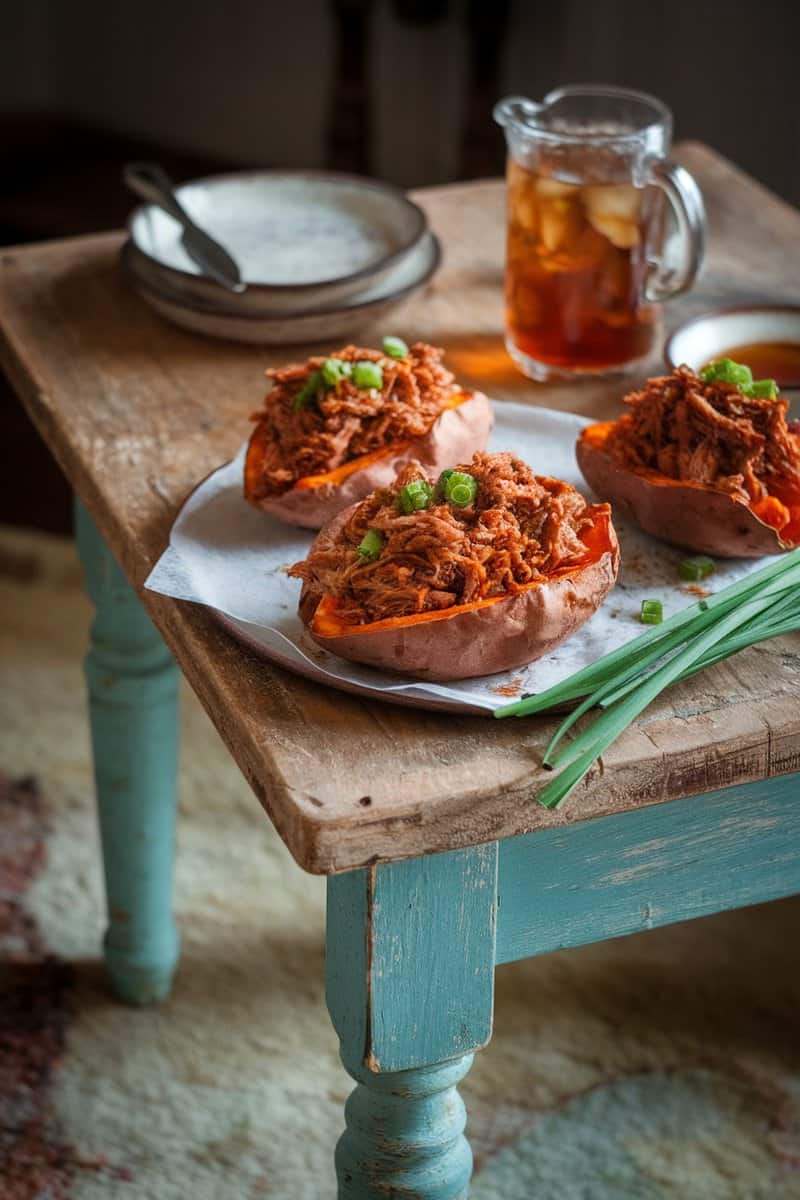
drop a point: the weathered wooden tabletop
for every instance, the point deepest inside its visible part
(137, 412)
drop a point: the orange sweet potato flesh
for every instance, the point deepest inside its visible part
(689, 514)
(482, 638)
(461, 428)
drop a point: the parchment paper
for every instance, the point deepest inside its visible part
(227, 555)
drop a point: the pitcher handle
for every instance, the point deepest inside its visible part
(686, 200)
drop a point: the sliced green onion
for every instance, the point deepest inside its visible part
(370, 546)
(367, 375)
(761, 389)
(395, 347)
(309, 393)
(652, 612)
(441, 483)
(460, 489)
(725, 370)
(415, 496)
(696, 568)
(333, 371)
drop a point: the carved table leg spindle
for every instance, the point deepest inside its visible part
(410, 986)
(405, 1135)
(133, 708)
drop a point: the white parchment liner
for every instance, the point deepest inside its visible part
(227, 555)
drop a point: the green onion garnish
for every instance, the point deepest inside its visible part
(761, 389)
(725, 370)
(370, 546)
(763, 605)
(652, 612)
(309, 393)
(395, 347)
(696, 568)
(367, 375)
(441, 482)
(333, 371)
(460, 489)
(415, 496)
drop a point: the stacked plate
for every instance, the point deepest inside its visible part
(321, 253)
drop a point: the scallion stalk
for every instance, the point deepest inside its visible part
(645, 647)
(763, 605)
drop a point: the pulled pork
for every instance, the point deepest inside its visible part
(347, 421)
(709, 433)
(520, 528)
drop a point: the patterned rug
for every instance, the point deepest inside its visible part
(664, 1066)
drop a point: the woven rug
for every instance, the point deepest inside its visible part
(664, 1066)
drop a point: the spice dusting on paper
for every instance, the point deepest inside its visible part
(695, 589)
(511, 689)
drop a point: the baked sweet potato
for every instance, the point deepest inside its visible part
(700, 465)
(436, 555)
(334, 429)
(462, 428)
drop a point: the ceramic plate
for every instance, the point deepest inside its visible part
(327, 324)
(303, 240)
(231, 557)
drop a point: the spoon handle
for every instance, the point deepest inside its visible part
(151, 182)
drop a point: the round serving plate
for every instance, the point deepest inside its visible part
(303, 240)
(372, 303)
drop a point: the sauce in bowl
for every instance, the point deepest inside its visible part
(769, 360)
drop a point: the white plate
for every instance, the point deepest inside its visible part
(303, 240)
(229, 556)
(370, 305)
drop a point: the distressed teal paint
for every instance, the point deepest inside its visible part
(133, 707)
(410, 980)
(652, 866)
(405, 1136)
(411, 958)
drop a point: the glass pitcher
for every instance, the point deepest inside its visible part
(585, 271)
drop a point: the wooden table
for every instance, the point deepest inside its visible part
(441, 862)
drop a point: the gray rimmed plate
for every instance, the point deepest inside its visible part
(328, 324)
(303, 240)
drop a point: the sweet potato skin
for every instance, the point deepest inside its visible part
(454, 437)
(684, 514)
(470, 642)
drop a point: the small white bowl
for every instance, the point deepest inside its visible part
(708, 336)
(372, 304)
(303, 240)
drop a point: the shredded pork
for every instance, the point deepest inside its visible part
(346, 422)
(709, 433)
(520, 529)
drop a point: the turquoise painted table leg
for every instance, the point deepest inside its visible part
(410, 985)
(133, 708)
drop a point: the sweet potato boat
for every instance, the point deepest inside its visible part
(749, 512)
(463, 427)
(685, 513)
(483, 637)
(333, 430)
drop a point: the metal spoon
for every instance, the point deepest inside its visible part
(152, 183)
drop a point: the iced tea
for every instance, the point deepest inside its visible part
(577, 258)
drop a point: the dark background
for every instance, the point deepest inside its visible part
(401, 89)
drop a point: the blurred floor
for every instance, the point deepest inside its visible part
(664, 1066)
